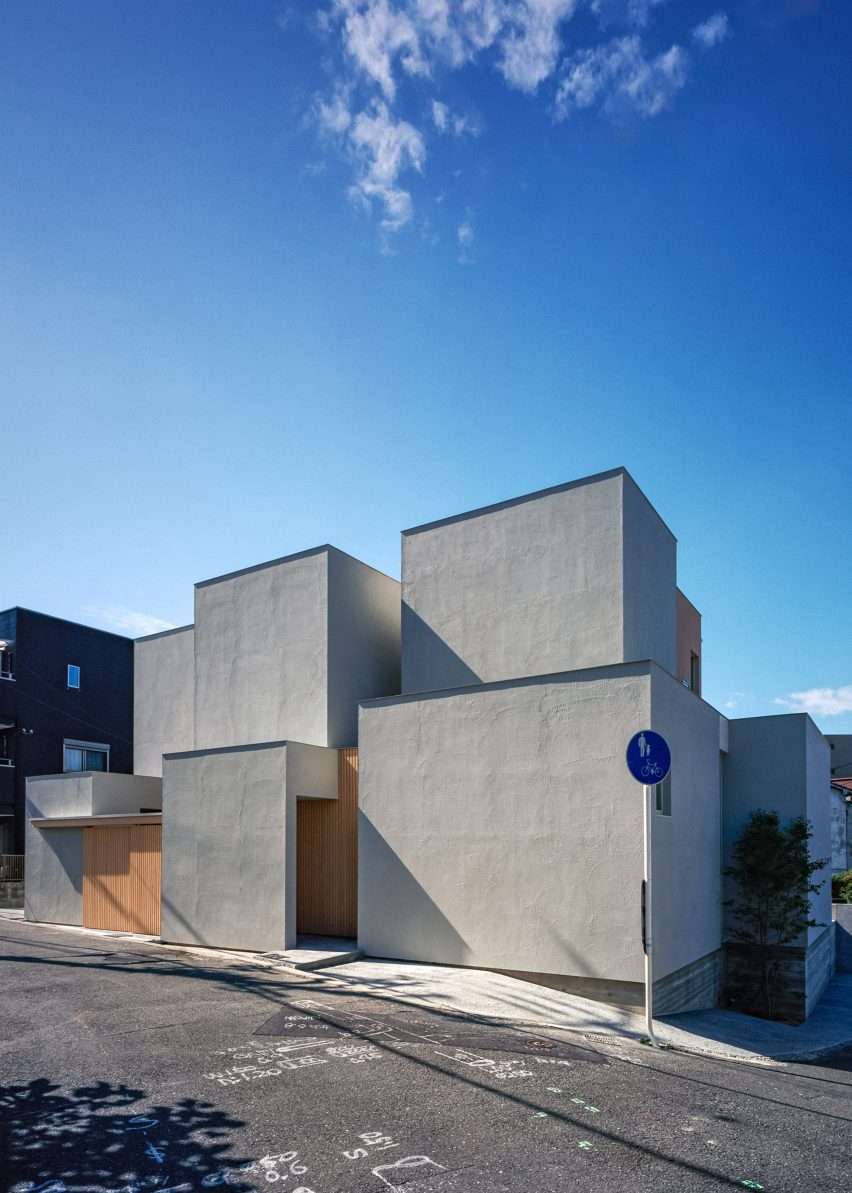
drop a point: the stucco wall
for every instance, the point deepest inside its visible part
(839, 829)
(840, 745)
(53, 869)
(524, 588)
(569, 578)
(229, 842)
(114, 794)
(261, 654)
(163, 698)
(649, 573)
(780, 764)
(363, 641)
(498, 825)
(687, 845)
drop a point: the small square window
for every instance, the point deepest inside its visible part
(73, 675)
(663, 796)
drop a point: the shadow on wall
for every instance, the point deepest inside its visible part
(445, 669)
(93, 1136)
(402, 919)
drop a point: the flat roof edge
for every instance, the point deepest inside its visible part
(269, 563)
(634, 668)
(522, 499)
(245, 748)
(178, 629)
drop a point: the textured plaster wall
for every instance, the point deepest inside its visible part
(163, 698)
(779, 763)
(649, 571)
(229, 842)
(363, 642)
(53, 869)
(261, 654)
(527, 588)
(114, 794)
(499, 827)
(818, 812)
(687, 845)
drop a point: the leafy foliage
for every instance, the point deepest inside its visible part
(841, 887)
(772, 868)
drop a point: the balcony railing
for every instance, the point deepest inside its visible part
(7, 674)
(11, 867)
(7, 761)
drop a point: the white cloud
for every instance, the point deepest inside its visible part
(446, 121)
(127, 621)
(531, 43)
(465, 236)
(376, 33)
(384, 148)
(383, 44)
(712, 31)
(618, 77)
(819, 702)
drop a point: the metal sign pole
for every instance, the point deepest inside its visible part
(649, 966)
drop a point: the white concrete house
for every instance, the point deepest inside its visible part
(477, 811)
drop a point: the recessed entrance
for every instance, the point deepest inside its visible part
(327, 857)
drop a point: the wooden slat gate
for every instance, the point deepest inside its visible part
(327, 856)
(121, 878)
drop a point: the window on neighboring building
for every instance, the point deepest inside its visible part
(85, 755)
(663, 796)
(6, 748)
(7, 660)
(73, 675)
(694, 672)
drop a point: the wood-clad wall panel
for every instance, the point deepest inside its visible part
(327, 856)
(121, 878)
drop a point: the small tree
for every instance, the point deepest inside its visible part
(772, 869)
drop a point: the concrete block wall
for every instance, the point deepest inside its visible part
(578, 576)
(281, 651)
(229, 842)
(163, 697)
(498, 826)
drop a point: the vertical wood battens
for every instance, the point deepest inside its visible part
(121, 878)
(327, 856)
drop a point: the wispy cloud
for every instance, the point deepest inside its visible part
(711, 32)
(621, 80)
(380, 49)
(819, 702)
(126, 621)
(446, 121)
(465, 236)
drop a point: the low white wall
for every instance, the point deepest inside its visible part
(229, 842)
(53, 868)
(53, 887)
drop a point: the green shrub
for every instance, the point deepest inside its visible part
(841, 887)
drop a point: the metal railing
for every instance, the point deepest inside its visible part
(11, 867)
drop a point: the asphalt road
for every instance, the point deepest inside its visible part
(127, 1067)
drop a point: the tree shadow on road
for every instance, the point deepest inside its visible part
(110, 1137)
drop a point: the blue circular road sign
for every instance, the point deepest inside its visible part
(649, 758)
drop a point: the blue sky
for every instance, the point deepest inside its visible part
(275, 275)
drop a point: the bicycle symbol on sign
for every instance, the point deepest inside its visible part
(651, 771)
